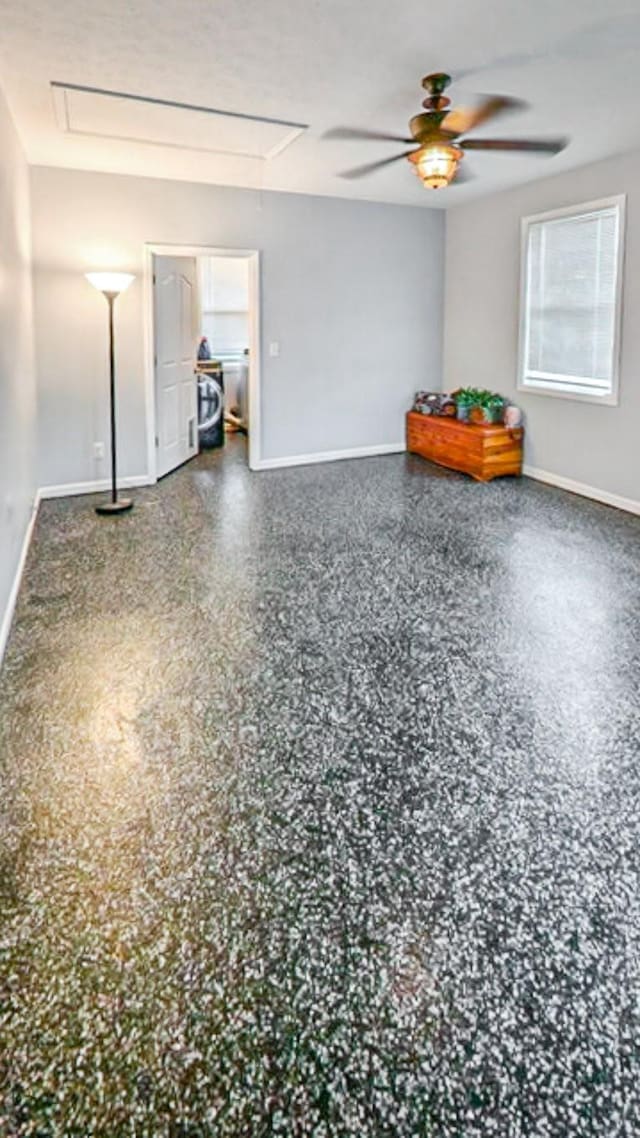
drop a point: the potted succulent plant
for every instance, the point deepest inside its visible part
(465, 399)
(477, 405)
(489, 408)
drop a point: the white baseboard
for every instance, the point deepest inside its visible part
(68, 489)
(629, 504)
(329, 456)
(7, 618)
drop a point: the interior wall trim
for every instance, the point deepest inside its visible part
(7, 617)
(629, 504)
(68, 489)
(330, 456)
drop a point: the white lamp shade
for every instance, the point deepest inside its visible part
(110, 282)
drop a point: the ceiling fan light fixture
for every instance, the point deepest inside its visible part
(436, 165)
(439, 132)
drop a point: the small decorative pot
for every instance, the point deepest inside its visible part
(512, 417)
(495, 414)
(486, 414)
(462, 412)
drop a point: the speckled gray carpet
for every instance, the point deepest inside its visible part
(320, 797)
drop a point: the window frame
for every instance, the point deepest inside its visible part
(610, 398)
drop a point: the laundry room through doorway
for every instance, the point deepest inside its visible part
(223, 349)
(205, 349)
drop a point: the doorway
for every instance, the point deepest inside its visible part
(203, 351)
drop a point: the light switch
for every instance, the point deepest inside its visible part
(274, 348)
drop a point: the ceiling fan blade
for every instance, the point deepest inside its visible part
(532, 145)
(463, 119)
(371, 167)
(351, 133)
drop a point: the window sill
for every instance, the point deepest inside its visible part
(611, 399)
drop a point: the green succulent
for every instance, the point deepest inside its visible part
(479, 397)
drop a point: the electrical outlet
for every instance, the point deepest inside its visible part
(98, 450)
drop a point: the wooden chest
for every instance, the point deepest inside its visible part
(484, 452)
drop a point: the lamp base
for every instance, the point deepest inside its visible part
(118, 507)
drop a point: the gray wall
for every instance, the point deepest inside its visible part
(597, 446)
(17, 381)
(351, 290)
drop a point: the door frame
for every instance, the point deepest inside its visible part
(152, 250)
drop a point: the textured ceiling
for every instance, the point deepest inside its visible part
(326, 63)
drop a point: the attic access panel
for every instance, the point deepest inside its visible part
(161, 122)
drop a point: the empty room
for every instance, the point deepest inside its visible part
(319, 569)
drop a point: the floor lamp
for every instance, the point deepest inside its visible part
(111, 285)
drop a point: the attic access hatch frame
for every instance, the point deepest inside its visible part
(66, 94)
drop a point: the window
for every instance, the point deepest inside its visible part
(224, 305)
(571, 301)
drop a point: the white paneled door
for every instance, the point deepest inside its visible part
(175, 308)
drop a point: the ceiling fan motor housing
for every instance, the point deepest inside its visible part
(423, 127)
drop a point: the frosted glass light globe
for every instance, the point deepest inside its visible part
(113, 283)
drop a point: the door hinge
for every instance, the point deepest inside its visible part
(157, 441)
(155, 361)
(154, 278)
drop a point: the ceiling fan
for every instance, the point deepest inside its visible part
(437, 132)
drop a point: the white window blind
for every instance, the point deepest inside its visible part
(571, 302)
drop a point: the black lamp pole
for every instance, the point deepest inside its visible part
(116, 505)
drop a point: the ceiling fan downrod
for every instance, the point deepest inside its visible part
(436, 85)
